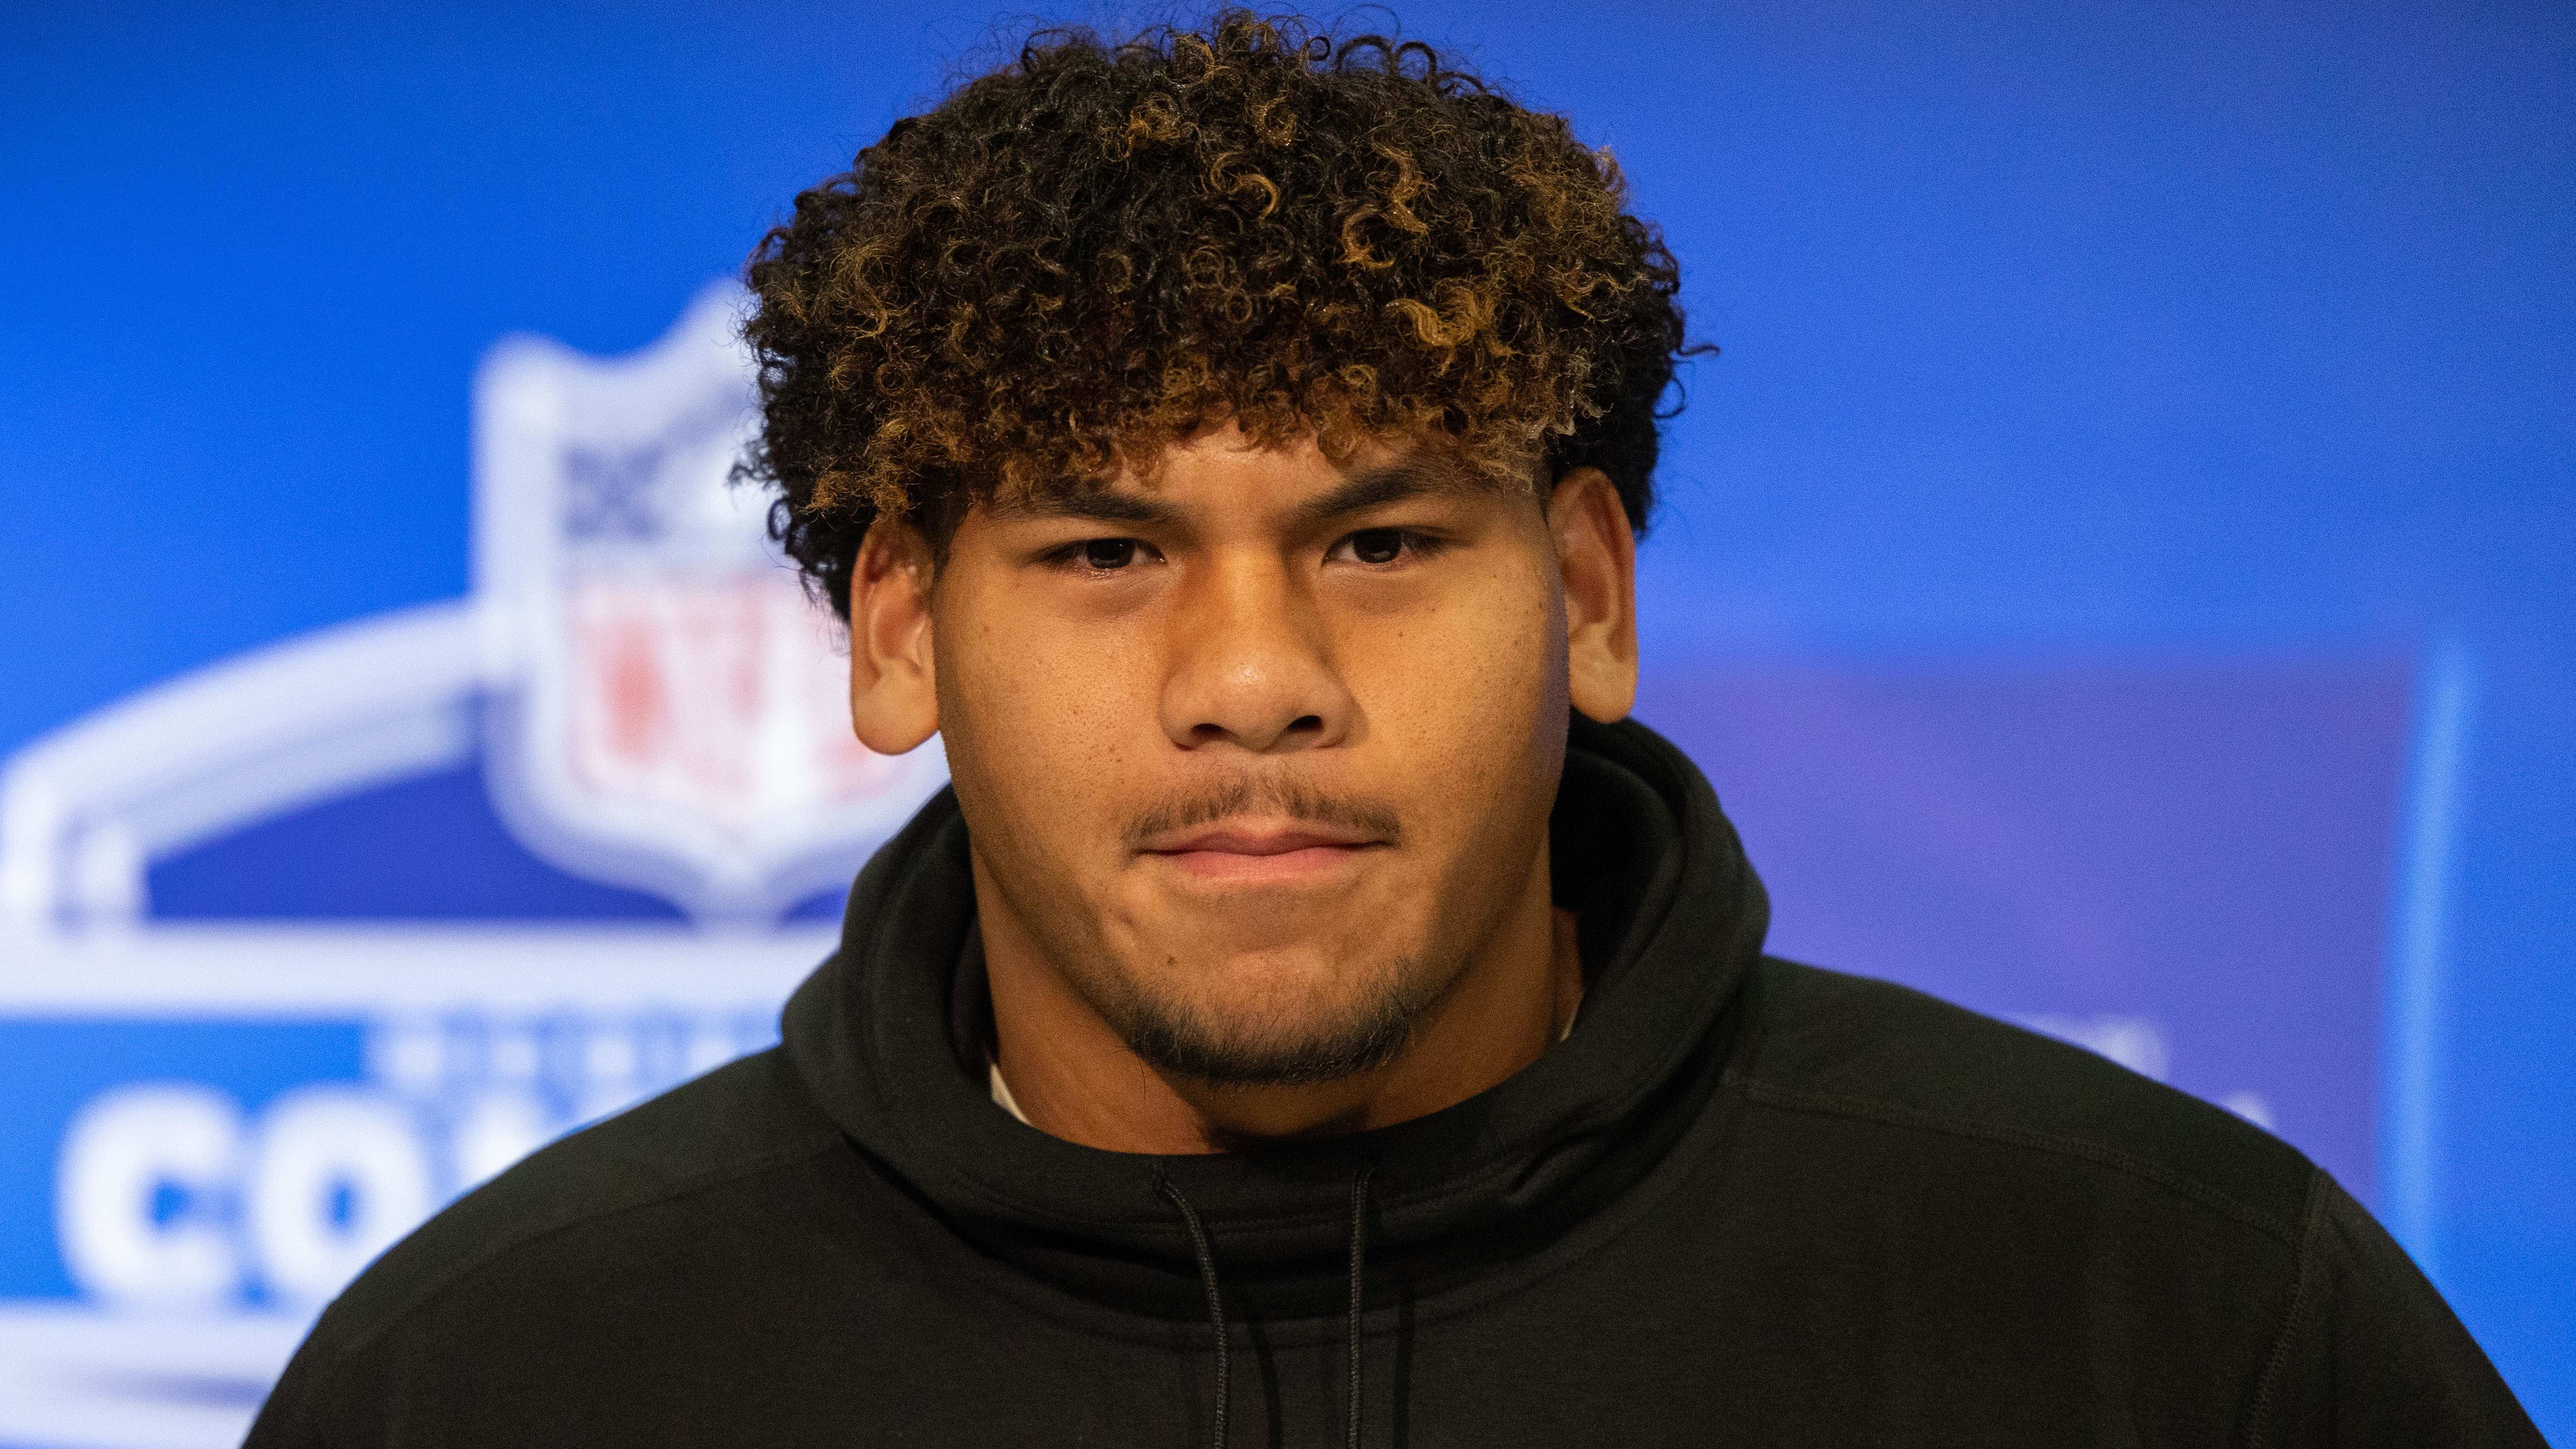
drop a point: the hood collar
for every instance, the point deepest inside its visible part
(1671, 920)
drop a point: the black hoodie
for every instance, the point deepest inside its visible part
(1745, 1202)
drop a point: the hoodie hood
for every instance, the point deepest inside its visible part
(1671, 921)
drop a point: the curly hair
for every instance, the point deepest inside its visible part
(1102, 248)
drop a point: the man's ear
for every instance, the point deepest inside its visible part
(1596, 557)
(894, 681)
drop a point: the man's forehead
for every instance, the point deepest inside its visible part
(1294, 481)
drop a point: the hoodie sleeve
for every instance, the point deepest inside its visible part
(2371, 1355)
(291, 1418)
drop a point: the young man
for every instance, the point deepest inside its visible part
(1314, 1016)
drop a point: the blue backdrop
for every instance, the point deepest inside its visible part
(2121, 572)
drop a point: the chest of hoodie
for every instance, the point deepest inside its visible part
(1718, 1303)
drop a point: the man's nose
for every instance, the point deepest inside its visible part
(1252, 664)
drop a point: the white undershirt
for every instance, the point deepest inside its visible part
(1002, 1092)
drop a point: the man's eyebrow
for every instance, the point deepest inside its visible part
(1096, 505)
(1391, 483)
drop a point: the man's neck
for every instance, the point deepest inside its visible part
(1071, 1075)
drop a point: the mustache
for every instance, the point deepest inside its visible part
(1263, 794)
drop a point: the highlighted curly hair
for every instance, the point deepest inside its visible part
(1100, 249)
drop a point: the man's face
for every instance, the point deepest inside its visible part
(1257, 752)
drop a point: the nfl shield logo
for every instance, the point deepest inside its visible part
(680, 721)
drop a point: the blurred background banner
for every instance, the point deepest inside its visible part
(2120, 575)
(305, 942)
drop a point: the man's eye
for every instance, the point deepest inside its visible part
(1109, 553)
(1380, 546)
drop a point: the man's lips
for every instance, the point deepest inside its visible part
(1253, 853)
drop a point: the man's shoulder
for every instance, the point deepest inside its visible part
(1832, 1045)
(733, 1125)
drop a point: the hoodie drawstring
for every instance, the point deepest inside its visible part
(1359, 1240)
(1216, 1300)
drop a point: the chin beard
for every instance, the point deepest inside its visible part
(1362, 1036)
